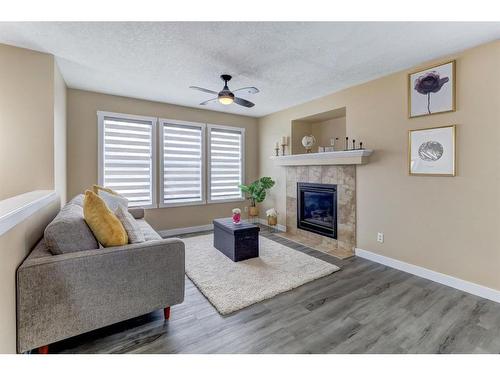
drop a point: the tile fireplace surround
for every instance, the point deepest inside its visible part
(345, 178)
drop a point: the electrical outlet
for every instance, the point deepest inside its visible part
(246, 209)
(380, 237)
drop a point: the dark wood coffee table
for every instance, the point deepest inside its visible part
(236, 241)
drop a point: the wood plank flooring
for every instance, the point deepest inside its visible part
(363, 308)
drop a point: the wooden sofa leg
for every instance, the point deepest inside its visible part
(166, 313)
(43, 349)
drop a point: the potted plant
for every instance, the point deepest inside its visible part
(272, 217)
(256, 192)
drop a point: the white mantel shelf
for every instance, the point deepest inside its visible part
(324, 158)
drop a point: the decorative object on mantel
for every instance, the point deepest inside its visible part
(432, 90)
(308, 142)
(277, 148)
(272, 217)
(284, 143)
(256, 192)
(236, 216)
(321, 149)
(431, 151)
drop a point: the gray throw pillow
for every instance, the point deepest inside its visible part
(69, 232)
(133, 230)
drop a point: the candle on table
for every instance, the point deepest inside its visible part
(284, 140)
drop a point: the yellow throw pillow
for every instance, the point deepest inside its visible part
(106, 227)
(96, 188)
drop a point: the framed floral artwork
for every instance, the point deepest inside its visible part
(432, 90)
(431, 151)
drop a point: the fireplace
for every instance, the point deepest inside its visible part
(317, 208)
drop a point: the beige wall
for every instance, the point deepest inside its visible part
(32, 157)
(59, 134)
(26, 121)
(14, 246)
(82, 149)
(446, 224)
(323, 131)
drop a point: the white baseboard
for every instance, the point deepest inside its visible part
(176, 231)
(466, 286)
(203, 228)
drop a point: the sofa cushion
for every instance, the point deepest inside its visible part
(133, 229)
(103, 222)
(149, 233)
(78, 200)
(69, 232)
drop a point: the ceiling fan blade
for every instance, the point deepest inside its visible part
(204, 90)
(243, 102)
(209, 101)
(248, 90)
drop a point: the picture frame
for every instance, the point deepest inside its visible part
(432, 90)
(432, 151)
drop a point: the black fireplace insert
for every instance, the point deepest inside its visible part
(317, 208)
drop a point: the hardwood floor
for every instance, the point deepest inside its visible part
(363, 308)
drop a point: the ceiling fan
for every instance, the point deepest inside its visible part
(226, 96)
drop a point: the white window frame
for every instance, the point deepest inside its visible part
(203, 127)
(209, 162)
(100, 148)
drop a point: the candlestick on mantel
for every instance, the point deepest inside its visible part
(353, 144)
(284, 143)
(360, 145)
(346, 143)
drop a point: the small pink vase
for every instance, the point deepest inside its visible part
(236, 218)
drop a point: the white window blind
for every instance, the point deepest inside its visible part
(127, 156)
(226, 163)
(182, 163)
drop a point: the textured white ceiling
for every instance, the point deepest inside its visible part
(290, 62)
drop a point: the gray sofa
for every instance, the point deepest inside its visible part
(64, 295)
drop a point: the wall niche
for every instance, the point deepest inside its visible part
(323, 126)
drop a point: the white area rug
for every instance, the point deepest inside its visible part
(231, 286)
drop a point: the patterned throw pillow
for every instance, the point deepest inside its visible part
(133, 229)
(111, 197)
(106, 227)
(113, 201)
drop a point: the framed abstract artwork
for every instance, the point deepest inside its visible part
(432, 90)
(431, 151)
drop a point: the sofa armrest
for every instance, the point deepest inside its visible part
(65, 295)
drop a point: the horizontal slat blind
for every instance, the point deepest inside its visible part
(182, 164)
(226, 163)
(128, 157)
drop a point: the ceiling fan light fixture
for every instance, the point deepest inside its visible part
(226, 98)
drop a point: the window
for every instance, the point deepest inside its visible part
(225, 163)
(182, 163)
(199, 163)
(127, 158)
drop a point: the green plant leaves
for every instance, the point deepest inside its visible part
(256, 191)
